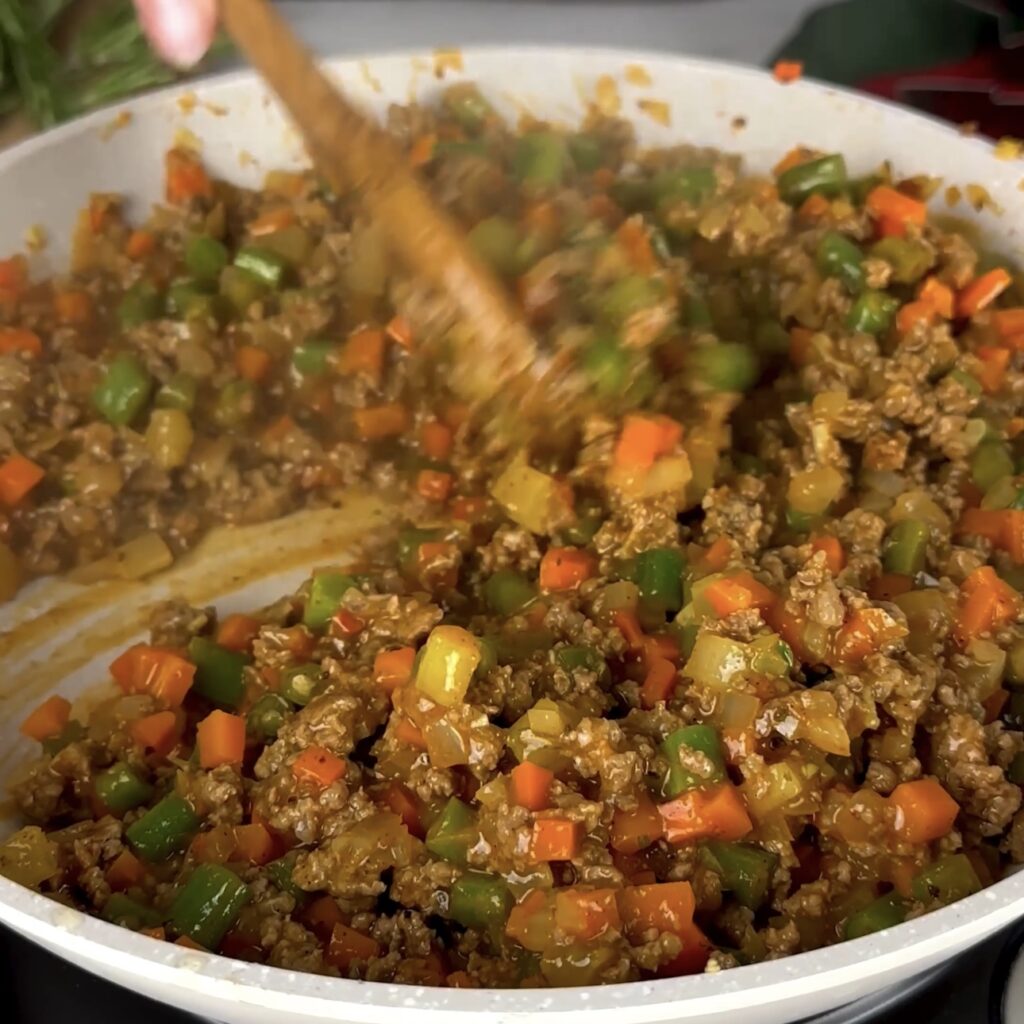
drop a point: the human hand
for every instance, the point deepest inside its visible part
(180, 31)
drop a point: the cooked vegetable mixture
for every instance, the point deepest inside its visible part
(732, 669)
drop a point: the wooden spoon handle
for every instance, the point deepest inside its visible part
(354, 153)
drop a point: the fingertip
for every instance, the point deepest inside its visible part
(180, 31)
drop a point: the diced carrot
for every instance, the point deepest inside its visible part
(126, 872)
(347, 624)
(1009, 325)
(434, 484)
(633, 831)
(717, 813)
(894, 209)
(436, 440)
(913, 313)
(632, 237)
(187, 943)
(717, 556)
(406, 805)
(938, 295)
(692, 958)
(661, 907)
(566, 568)
(319, 766)
(924, 810)
(661, 645)
(20, 340)
(237, 632)
(157, 732)
(987, 602)
(585, 913)
(835, 557)
(140, 244)
(47, 720)
(603, 178)
(556, 839)
(994, 704)
(363, 353)
(1014, 427)
(220, 738)
(164, 674)
(421, 152)
(1013, 534)
(530, 786)
(644, 438)
(992, 373)
(659, 682)
(796, 156)
(101, 206)
(186, 178)
(380, 421)
(399, 330)
(14, 274)
(602, 207)
(270, 221)
(628, 625)
(889, 585)
(254, 843)
(982, 522)
(393, 668)
(461, 979)
(982, 291)
(814, 207)
(737, 593)
(216, 846)
(863, 633)
(347, 946)
(252, 362)
(321, 916)
(786, 71)
(72, 307)
(278, 429)
(469, 508)
(455, 414)
(800, 348)
(18, 476)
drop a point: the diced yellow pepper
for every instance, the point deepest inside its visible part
(449, 660)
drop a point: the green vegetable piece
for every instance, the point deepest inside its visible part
(467, 106)
(884, 912)
(480, 900)
(71, 733)
(205, 258)
(311, 357)
(746, 870)
(910, 258)
(771, 338)
(139, 304)
(872, 312)
(906, 547)
(838, 257)
(698, 313)
(267, 266)
(801, 522)
(164, 829)
(702, 739)
(409, 541)
(583, 530)
(687, 184)
(240, 288)
(658, 573)
(235, 403)
(267, 716)
(949, 879)
(508, 592)
(990, 462)
(453, 832)
(220, 673)
(299, 683)
(606, 363)
(460, 147)
(825, 175)
(281, 873)
(124, 390)
(208, 904)
(587, 152)
(121, 789)
(627, 296)
(187, 298)
(571, 658)
(727, 366)
(128, 913)
(540, 159)
(498, 242)
(970, 384)
(178, 393)
(326, 590)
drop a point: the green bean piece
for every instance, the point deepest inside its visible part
(453, 832)
(205, 258)
(128, 913)
(872, 312)
(164, 829)
(311, 357)
(121, 789)
(178, 393)
(220, 673)
(508, 592)
(240, 288)
(990, 462)
(497, 240)
(910, 258)
(281, 873)
(825, 175)
(838, 257)
(480, 900)
(801, 522)
(141, 303)
(658, 573)
(684, 184)
(906, 547)
(209, 904)
(587, 152)
(582, 530)
(123, 391)
(606, 364)
(702, 739)
(746, 870)
(727, 366)
(299, 683)
(267, 715)
(884, 912)
(949, 879)
(267, 266)
(540, 159)
(326, 590)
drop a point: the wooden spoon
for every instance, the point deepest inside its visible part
(498, 354)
